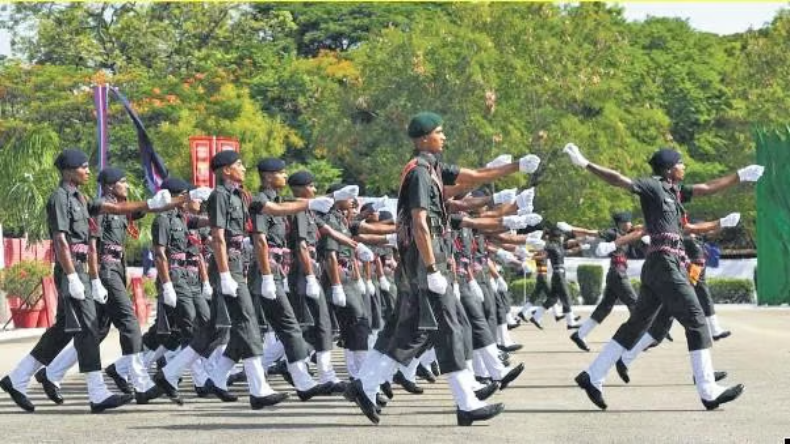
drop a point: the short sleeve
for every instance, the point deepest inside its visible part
(260, 220)
(58, 213)
(160, 230)
(94, 206)
(217, 207)
(455, 221)
(450, 174)
(300, 226)
(419, 189)
(609, 235)
(686, 193)
(646, 187)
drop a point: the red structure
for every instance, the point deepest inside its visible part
(203, 149)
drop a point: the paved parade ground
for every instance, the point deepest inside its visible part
(543, 405)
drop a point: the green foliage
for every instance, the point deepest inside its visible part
(724, 290)
(590, 282)
(519, 286)
(23, 280)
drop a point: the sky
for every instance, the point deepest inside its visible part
(720, 18)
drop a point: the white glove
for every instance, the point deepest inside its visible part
(312, 288)
(456, 290)
(521, 252)
(525, 198)
(504, 255)
(564, 227)
(201, 193)
(380, 203)
(492, 284)
(501, 284)
(364, 254)
(227, 284)
(503, 159)
(361, 287)
(161, 199)
(585, 247)
(169, 294)
(392, 239)
(384, 284)
(535, 235)
(537, 244)
(605, 248)
(529, 163)
(370, 287)
(76, 288)
(730, 220)
(477, 292)
(526, 210)
(98, 292)
(286, 285)
(268, 288)
(751, 173)
(505, 196)
(347, 192)
(521, 221)
(646, 239)
(320, 204)
(207, 291)
(338, 296)
(437, 283)
(576, 155)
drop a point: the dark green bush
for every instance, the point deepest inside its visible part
(518, 286)
(590, 282)
(724, 290)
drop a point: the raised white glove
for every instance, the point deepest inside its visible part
(169, 294)
(98, 292)
(521, 221)
(501, 284)
(537, 244)
(338, 296)
(646, 239)
(492, 284)
(392, 239)
(529, 163)
(364, 254)
(312, 289)
(370, 287)
(437, 283)
(535, 235)
(476, 291)
(76, 288)
(504, 255)
(525, 198)
(286, 285)
(380, 203)
(347, 192)
(505, 196)
(585, 247)
(361, 288)
(503, 159)
(227, 284)
(161, 199)
(751, 173)
(321, 204)
(201, 193)
(207, 291)
(605, 248)
(384, 284)
(564, 227)
(576, 155)
(456, 290)
(526, 210)
(730, 220)
(268, 288)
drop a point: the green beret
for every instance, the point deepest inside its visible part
(423, 124)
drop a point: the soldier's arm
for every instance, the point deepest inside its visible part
(341, 238)
(303, 254)
(332, 268)
(262, 253)
(702, 227)
(610, 176)
(161, 263)
(483, 175)
(379, 267)
(468, 203)
(284, 208)
(127, 207)
(202, 269)
(93, 259)
(715, 185)
(632, 236)
(482, 223)
(63, 253)
(422, 236)
(218, 247)
(376, 228)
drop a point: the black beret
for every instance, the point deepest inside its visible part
(367, 207)
(423, 124)
(555, 233)
(270, 165)
(223, 159)
(110, 175)
(176, 185)
(621, 217)
(385, 215)
(334, 187)
(300, 179)
(70, 159)
(664, 159)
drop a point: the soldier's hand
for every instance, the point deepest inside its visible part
(370, 287)
(286, 285)
(364, 253)
(321, 204)
(503, 159)
(98, 292)
(312, 288)
(437, 283)
(169, 294)
(505, 196)
(160, 200)
(268, 288)
(529, 163)
(338, 296)
(392, 239)
(501, 284)
(476, 291)
(347, 192)
(525, 198)
(605, 248)
(457, 290)
(646, 239)
(361, 288)
(504, 255)
(751, 173)
(227, 284)
(384, 284)
(576, 155)
(200, 194)
(380, 203)
(564, 227)
(730, 220)
(207, 290)
(76, 287)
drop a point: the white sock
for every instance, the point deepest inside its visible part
(20, 376)
(570, 319)
(427, 358)
(504, 335)
(351, 363)
(160, 351)
(375, 370)
(273, 349)
(526, 309)
(215, 356)
(538, 315)
(557, 309)
(478, 365)
(490, 357)
(461, 383)
(198, 370)
(604, 362)
(326, 371)
(256, 377)
(510, 318)
(176, 366)
(66, 359)
(138, 376)
(302, 379)
(97, 390)
(705, 380)
(123, 366)
(587, 326)
(220, 373)
(630, 356)
(410, 371)
(372, 338)
(713, 325)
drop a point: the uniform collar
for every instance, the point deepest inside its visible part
(69, 187)
(432, 159)
(270, 193)
(230, 185)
